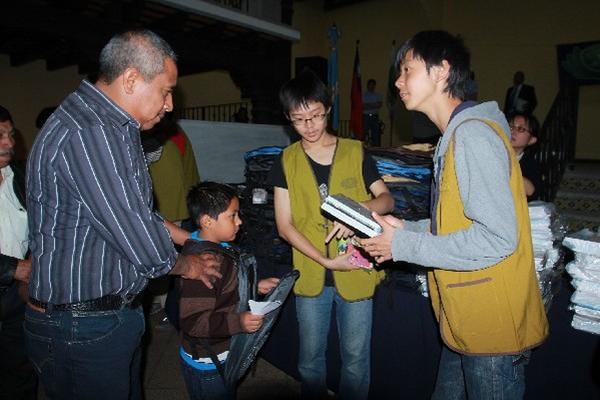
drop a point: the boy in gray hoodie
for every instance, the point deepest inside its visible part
(478, 242)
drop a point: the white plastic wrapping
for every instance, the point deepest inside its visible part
(581, 270)
(422, 278)
(585, 270)
(586, 319)
(584, 241)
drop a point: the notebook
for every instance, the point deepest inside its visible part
(352, 214)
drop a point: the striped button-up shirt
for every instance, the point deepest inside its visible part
(92, 228)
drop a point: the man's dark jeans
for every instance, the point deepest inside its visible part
(372, 128)
(86, 355)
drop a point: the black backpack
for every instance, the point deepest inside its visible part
(244, 346)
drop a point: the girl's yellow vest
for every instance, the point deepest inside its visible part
(345, 177)
(495, 310)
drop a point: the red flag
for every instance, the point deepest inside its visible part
(356, 116)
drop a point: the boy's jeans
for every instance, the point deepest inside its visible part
(204, 385)
(86, 355)
(354, 330)
(480, 377)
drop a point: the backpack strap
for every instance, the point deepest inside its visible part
(193, 341)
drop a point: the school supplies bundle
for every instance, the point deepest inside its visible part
(547, 232)
(585, 271)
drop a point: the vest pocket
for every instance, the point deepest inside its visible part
(477, 316)
(469, 283)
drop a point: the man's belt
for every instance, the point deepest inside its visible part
(104, 303)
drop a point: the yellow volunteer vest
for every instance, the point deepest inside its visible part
(496, 310)
(345, 177)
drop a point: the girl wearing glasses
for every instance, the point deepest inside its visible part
(524, 130)
(308, 170)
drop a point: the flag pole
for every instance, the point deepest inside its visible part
(332, 78)
(392, 92)
(356, 116)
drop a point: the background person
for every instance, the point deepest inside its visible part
(173, 174)
(520, 98)
(524, 131)
(17, 376)
(372, 102)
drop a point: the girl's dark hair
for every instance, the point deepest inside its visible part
(306, 87)
(209, 198)
(532, 122)
(5, 115)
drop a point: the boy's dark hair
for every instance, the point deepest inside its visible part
(306, 87)
(373, 81)
(5, 115)
(532, 123)
(209, 198)
(435, 46)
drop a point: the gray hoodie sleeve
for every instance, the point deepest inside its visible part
(422, 225)
(482, 170)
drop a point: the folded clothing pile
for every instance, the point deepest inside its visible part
(258, 233)
(547, 233)
(585, 271)
(407, 173)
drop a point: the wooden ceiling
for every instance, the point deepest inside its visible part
(72, 32)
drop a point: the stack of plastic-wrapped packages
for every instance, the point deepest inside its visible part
(585, 271)
(547, 232)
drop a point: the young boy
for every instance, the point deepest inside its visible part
(482, 285)
(211, 314)
(317, 165)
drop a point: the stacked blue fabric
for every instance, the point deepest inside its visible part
(411, 198)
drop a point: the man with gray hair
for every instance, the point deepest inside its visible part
(95, 240)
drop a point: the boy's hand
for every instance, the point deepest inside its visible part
(341, 263)
(202, 267)
(250, 323)
(380, 247)
(340, 231)
(266, 285)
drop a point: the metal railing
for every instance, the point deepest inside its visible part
(343, 129)
(215, 112)
(557, 139)
(236, 4)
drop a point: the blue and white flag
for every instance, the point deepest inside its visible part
(332, 77)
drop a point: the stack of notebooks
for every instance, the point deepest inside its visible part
(352, 214)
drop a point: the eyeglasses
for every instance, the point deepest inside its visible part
(315, 119)
(518, 128)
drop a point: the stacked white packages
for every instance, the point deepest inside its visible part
(585, 271)
(546, 233)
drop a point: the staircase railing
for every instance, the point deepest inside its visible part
(214, 112)
(557, 139)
